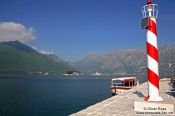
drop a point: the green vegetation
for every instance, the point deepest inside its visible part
(17, 58)
(71, 72)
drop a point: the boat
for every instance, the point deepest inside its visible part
(71, 73)
(119, 85)
(97, 74)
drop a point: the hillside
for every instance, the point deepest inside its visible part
(18, 58)
(127, 62)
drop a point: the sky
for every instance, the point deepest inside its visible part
(72, 29)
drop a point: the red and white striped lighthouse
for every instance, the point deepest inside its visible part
(150, 12)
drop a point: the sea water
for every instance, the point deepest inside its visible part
(51, 96)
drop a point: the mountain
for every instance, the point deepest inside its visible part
(127, 62)
(18, 58)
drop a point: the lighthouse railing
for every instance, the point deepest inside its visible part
(150, 10)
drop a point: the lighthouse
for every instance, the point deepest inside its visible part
(150, 13)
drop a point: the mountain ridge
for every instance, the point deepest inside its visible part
(127, 62)
(18, 58)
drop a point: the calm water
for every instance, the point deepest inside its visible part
(51, 96)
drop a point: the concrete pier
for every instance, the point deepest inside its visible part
(123, 104)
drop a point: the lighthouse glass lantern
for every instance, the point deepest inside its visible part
(148, 11)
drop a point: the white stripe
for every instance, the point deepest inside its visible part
(153, 90)
(154, 93)
(153, 65)
(151, 38)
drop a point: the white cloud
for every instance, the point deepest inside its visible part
(42, 51)
(45, 52)
(11, 31)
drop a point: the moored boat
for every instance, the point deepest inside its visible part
(118, 85)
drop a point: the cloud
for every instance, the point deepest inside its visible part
(11, 31)
(42, 51)
(45, 52)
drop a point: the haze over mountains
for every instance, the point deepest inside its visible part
(127, 62)
(18, 58)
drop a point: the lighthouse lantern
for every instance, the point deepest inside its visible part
(148, 11)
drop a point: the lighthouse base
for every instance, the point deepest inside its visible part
(160, 108)
(154, 99)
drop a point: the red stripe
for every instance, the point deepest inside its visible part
(153, 78)
(146, 98)
(152, 26)
(149, 2)
(152, 51)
